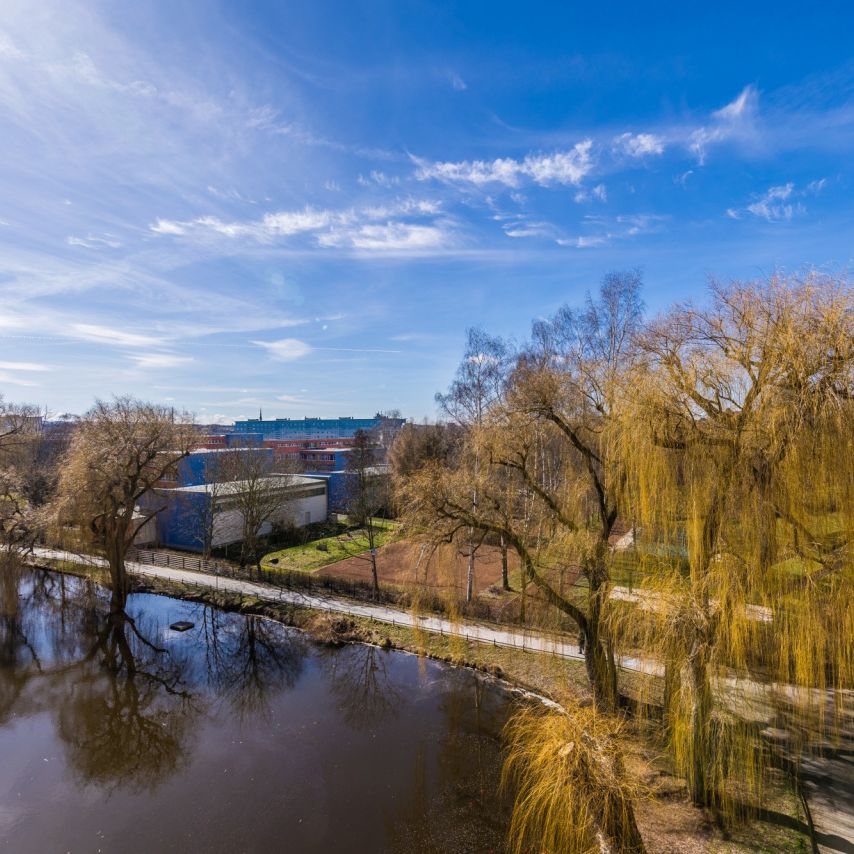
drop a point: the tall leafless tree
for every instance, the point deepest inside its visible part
(120, 450)
(477, 386)
(259, 491)
(367, 494)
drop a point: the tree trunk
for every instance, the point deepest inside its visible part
(620, 824)
(599, 649)
(505, 579)
(372, 550)
(118, 576)
(600, 666)
(470, 574)
(700, 722)
(617, 829)
(374, 574)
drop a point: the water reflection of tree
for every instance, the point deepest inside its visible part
(126, 716)
(360, 680)
(460, 811)
(17, 655)
(250, 659)
(123, 705)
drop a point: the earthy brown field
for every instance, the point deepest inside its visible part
(405, 564)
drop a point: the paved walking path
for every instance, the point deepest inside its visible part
(829, 779)
(535, 642)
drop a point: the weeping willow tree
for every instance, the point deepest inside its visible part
(572, 791)
(739, 447)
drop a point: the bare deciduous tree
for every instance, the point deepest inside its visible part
(539, 466)
(20, 426)
(478, 386)
(367, 495)
(119, 452)
(259, 491)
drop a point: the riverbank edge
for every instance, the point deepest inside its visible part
(501, 664)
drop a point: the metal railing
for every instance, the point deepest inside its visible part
(180, 561)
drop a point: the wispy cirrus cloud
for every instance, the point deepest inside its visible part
(456, 81)
(599, 193)
(390, 237)
(12, 379)
(94, 333)
(91, 241)
(160, 360)
(602, 231)
(518, 227)
(780, 203)
(560, 167)
(735, 120)
(398, 226)
(380, 178)
(23, 366)
(776, 204)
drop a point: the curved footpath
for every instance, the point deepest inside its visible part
(829, 778)
(535, 642)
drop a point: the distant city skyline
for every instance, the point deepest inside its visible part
(302, 207)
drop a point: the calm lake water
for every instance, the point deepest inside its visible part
(240, 735)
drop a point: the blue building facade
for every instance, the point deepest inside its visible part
(200, 467)
(197, 516)
(337, 488)
(314, 428)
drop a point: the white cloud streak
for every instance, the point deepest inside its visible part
(391, 237)
(562, 167)
(160, 360)
(285, 349)
(780, 203)
(379, 228)
(774, 205)
(96, 334)
(640, 144)
(93, 242)
(23, 366)
(618, 228)
(733, 121)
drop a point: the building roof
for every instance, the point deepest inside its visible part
(231, 450)
(274, 481)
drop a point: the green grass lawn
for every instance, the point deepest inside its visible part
(319, 553)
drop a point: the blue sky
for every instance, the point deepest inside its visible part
(302, 206)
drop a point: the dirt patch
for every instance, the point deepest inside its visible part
(405, 564)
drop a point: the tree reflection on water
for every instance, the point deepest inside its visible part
(122, 703)
(462, 810)
(125, 719)
(250, 659)
(361, 683)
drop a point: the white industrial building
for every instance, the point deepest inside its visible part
(192, 515)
